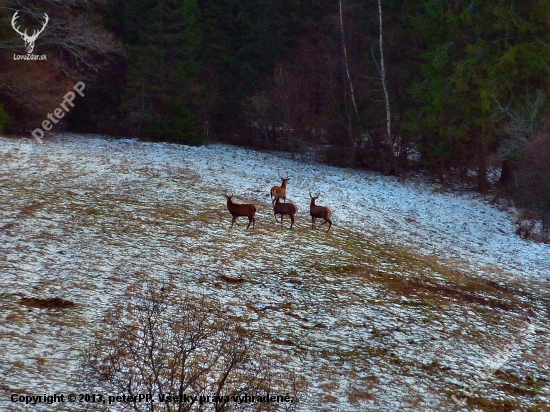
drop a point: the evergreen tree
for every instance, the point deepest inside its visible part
(475, 55)
(243, 40)
(163, 90)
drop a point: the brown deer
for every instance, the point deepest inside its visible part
(284, 209)
(319, 212)
(240, 210)
(279, 191)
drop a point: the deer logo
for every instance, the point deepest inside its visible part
(29, 40)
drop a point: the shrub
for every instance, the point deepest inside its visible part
(533, 177)
(160, 341)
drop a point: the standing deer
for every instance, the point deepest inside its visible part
(321, 212)
(279, 191)
(29, 40)
(284, 209)
(240, 210)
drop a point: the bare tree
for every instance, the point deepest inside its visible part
(293, 108)
(260, 113)
(382, 70)
(533, 184)
(75, 44)
(346, 63)
(281, 112)
(521, 123)
(166, 344)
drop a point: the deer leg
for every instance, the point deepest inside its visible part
(250, 219)
(313, 222)
(233, 220)
(282, 219)
(329, 224)
(291, 221)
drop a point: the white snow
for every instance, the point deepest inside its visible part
(83, 216)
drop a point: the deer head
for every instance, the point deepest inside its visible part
(313, 198)
(284, 180)
(29, 40)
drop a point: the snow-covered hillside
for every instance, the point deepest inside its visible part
(396, 308)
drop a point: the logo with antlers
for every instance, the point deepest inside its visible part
(29, 40)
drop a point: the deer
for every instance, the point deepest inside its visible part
(319, 212)
(284, 209)
(279, 191)
(237, 210)
(29, 40)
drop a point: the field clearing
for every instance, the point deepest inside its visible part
(397, 308)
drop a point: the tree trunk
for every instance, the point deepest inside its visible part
(351, 89)
(391, 139)
(483, 184)
(506, 179)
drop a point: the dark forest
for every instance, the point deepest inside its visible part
(457, 89)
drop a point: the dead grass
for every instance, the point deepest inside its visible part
(164, 212)
(495, 405)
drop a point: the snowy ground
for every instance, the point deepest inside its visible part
(400, 307)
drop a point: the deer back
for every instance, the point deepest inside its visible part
(240, 209)
(318, 211)
(284, 208)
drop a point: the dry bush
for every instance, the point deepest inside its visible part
(159, 341)
(533, 181)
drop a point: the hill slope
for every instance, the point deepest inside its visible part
(398, 307)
